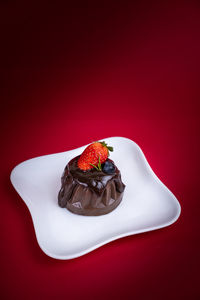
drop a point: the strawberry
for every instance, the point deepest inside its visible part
(94, 155)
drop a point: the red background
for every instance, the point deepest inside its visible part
(74, 73)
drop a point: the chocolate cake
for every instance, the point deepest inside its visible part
(92, 192)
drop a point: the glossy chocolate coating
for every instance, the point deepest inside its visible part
(91, 192)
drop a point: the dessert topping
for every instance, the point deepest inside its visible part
(108, 167)
(94, 155)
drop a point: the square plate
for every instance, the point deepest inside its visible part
(147, 204)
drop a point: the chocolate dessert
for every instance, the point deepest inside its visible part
(92, 192)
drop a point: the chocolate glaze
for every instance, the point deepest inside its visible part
(90, 192)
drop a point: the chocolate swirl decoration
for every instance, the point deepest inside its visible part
(91, 192)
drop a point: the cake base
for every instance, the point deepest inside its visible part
(90, 193)
(93, 211)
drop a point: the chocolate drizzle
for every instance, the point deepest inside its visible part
(89, 192)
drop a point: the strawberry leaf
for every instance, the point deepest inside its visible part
(95, 167)
(108, 147)
(99, 164)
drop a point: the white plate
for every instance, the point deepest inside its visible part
(147, 203)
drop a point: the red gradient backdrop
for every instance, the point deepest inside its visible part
(82, 71)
